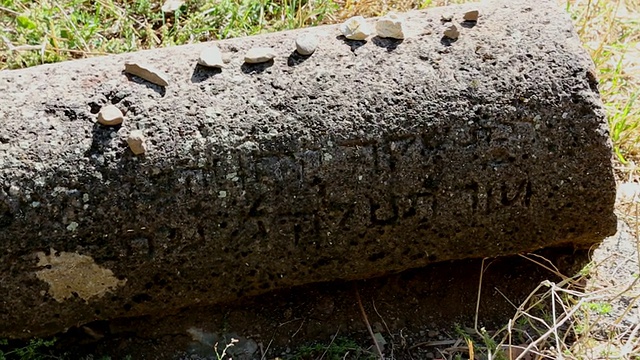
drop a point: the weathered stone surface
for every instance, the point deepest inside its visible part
(367, 160)
(471, 15)
(390, 26)
(452, 32)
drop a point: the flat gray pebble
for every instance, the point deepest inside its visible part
(259, 55)
(147, 72)
(211, 57)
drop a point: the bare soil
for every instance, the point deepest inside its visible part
(407, 309)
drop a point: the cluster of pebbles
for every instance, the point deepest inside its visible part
(451, 31)
(357, 28)
(111, 115)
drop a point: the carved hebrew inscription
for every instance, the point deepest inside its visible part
(485, 199)
(356, 185)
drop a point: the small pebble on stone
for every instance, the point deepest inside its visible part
(136, 142)
(211, 57)
(391, 26)
(471, 15)
(355, 28)
(170, 6)
(146, 72)
(446, 17)
(306, 44)
(452, 32)
(110, 115)
(259, 55)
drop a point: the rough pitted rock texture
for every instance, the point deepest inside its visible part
(364, 159)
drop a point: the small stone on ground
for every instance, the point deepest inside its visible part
(259, 55)
(355, 28)
(471, 15)
(146, 72)
(170, 6)
(211, 57)
(110, 115)
(452, 32)
(628, 192)
(306, 44)
(136, 142)
(391, 26)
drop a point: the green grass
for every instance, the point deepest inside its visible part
(34, 350)
(610, 31)
(46, 31)
(599, 307)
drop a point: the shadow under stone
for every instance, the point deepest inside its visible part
(256, 68)
(353, 44)
(295, 58)
(468, 24)
(201, 73)
(387, 43)
(447, 41)
(101, 139)
(412, 302)
(157, 88)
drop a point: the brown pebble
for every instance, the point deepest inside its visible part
(136, 142)
(110, 115)
(471, 15)
(146, 72)
(452, 32)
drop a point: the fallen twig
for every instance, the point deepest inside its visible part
(328, 346)
(366, 322)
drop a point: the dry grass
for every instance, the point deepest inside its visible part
(610, 31)
(592, 315)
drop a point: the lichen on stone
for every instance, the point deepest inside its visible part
(71, 274)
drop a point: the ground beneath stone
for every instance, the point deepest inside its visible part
(415, 313)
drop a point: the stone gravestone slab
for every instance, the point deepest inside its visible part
(361, 159)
